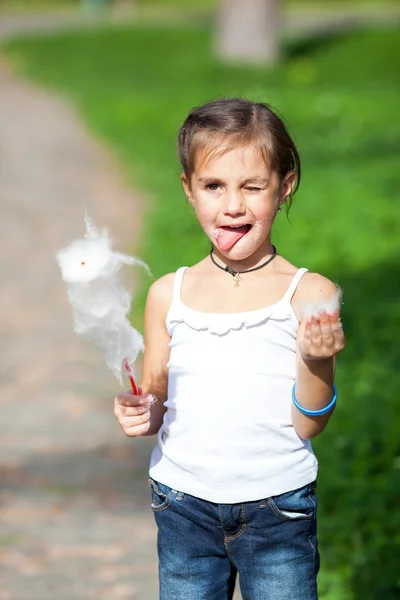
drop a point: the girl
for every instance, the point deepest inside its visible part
(244, 377)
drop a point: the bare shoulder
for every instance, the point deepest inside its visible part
(163, 286)
(314, 287)
(159, 296)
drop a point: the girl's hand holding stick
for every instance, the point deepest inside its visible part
(133, 412)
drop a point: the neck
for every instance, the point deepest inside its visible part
(261, 255)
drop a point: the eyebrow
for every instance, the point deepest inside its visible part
(259, 180)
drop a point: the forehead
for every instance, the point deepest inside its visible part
(239, 160)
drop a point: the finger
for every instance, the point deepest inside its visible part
(335, 321)
(122, 410)
(138, 430)
(135, 424)
(130, 422)
(129, 399)
(307, 330)
(338, 333)
(136, 420)
(326, 328)
(134, 411)
(337, 328)
(316, 331)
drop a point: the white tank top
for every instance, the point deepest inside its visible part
(227, 435)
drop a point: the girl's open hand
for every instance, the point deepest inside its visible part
(133, 413)
(323, 336)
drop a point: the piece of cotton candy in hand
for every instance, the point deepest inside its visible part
(99, 301)
(312, 309)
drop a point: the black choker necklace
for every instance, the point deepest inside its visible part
(236, 274)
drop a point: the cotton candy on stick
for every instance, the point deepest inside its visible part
(99, 301)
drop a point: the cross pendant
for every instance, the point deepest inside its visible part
(237, 279)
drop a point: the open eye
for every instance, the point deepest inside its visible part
(212, 187)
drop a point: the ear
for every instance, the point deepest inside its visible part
(186, 188)
(287, 186)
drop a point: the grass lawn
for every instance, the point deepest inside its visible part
(340, 96)
(24, 5)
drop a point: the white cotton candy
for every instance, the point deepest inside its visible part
(311, 309)
(99, 301)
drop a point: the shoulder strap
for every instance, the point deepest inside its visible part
(294, 283)
(178, 282)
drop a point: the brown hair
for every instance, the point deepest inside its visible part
(235, 122)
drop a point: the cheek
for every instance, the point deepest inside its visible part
(264, 211)
(205, 218)
(205, 209)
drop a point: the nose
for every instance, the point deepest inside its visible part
(233, 203)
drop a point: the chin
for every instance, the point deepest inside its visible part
(237, 253)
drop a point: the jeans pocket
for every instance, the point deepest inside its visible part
(296, 505)
(161, 495)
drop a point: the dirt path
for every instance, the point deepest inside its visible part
(74, 516)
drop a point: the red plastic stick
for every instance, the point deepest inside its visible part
(131, 378)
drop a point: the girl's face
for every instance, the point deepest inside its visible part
(236, 198)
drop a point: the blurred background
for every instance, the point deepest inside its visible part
(92, 94)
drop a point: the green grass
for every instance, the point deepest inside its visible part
(134, 87)
(22, 5)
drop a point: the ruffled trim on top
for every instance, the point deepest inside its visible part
(222, 323)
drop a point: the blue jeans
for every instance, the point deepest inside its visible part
(270, 543)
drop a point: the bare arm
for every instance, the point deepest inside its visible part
(156, 354)
(319, 340)
(134, 414)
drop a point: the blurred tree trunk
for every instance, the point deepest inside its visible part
(248, 31)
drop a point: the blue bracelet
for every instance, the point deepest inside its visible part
(314, 413)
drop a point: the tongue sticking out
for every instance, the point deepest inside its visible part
(228, 236)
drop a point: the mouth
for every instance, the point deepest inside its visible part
(228, 235)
